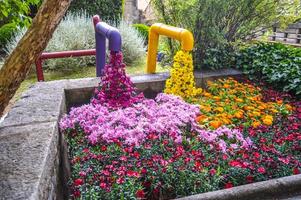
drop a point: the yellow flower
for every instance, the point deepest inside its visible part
(181, 81)
(268, 121)
(239, 100)
(220, 109)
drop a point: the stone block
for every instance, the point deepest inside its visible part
(28, 160)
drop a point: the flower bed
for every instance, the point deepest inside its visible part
(129, 147)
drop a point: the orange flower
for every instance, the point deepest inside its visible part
(201, 118)
(288, 107)
(248, 107)
(207, 94)
(215, 124)
(256, 124)
(226, 86)
(239, 115)
(216, 98)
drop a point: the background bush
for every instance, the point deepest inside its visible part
(133, 47)
(142, 29)
(277, 64)
(106, 9)
(15, 14)
(76, 32)
(219, 26)
(6, 32)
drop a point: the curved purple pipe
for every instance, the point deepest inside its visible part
(104, 31)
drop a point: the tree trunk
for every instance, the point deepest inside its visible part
(18, 64)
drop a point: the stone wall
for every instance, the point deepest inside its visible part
(131, 12)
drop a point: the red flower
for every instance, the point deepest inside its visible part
(225, 157)
(212, 172)
(261, 170)
(197, 164)
(165, 142)
(103, 185)
(256, 154)
(250, 179)
(76, 193)
(123, 158)
(207, 164)
(103, 148)
(78, 182)
(228, 185)
(86, 150)
(296, 171)
(131, 173)
(105, 172)
(143, 171)
(140, 194)
(234, 163)
(120, 180)
(136, 154)
(284, 160)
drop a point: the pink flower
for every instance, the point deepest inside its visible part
(284, 160)
(82, 173)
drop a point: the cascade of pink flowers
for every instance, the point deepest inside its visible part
(116, 90)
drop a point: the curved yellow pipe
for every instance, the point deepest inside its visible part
(183, 35)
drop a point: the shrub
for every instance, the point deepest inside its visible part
(76, 32)
(6, 32)
(13, 41)
(132, 44)
(275, 63)
(142, 29)
(107, 9)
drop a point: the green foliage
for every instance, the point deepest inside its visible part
(6, 31)
(106, 9)
(16, 11)
(275, 63)
(142, 29)
(14, 14)
(220, 25)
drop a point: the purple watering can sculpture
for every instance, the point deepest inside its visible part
(104, 31)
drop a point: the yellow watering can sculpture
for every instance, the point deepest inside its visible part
(183, 35)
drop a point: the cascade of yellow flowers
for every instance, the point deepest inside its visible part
(181, 81)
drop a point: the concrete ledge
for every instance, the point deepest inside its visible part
(271, 189)
(28, 160)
